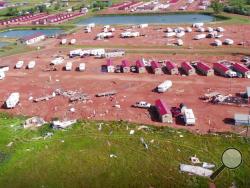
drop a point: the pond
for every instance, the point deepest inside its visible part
(150, 19)
(22, 33)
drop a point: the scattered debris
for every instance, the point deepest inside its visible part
(144, 143)
(218, 98)
(197, 170)
(34, 122)
(45, 98)
(131, 132)
(72, 110)
(208, 165)
(10, 144)
(105, 94)
(73, 95)
(142, 127)
(113, 156)
(195, 160)
(62, 124)
(48, 135)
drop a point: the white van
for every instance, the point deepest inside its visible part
(81, 67)
(68, 66)
(19, 64)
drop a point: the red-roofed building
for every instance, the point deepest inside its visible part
(32, 39)
(187, 68)
(163, 111)
(221, 69)
(205, 69)
(156, 67)
(125, 66)
(171, 67)
(110, 67)
(140, 66)
(242, 69)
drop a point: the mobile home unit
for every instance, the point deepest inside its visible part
(189, 117)
(164, 86)
(31, 64)
(171, 67)
(156, 67)
(140, 66)
(242, 69)
(187, 68)
(110, 67)
(205, 69)
(125, 66)
(19, 64)
(221, 69)
(12, 100)
(163, 111)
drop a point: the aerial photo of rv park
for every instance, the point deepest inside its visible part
(125, 93)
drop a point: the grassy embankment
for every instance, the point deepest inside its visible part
(80, 156)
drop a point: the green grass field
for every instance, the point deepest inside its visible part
(80, 156)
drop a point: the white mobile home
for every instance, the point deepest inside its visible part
(2, 75)
(164, 86)
(170, 34)
(197, 25)
(31, 65)
(130, 34)
(12, 100)
(189, 117)
(32, 39)
(200, 36)
(228, 41)
(64, 41)
(57, 61)
(82, 67)
(68, 66)
(72, 41)
(19, 64)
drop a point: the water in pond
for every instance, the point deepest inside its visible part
(150, 19)
(23, 33)
(3, 44)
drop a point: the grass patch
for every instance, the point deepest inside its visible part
(79, 156)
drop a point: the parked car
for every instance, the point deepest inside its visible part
(142, 104)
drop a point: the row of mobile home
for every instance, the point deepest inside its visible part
(32, 39)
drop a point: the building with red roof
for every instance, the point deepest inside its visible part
(156, 67)
(109, 65)
(163, 111)
(242, 69)
(205, 69)
(140, 67)
(187, 68)
(171, 67)
(34, 38)
(125, 66)
(221, 69)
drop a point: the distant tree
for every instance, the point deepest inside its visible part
(238, 3)
(217, 6)
(12, 11)
(42, 8)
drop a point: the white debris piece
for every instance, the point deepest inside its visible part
(197, 170)
(48, 135)
(131, 132)
(208, 165)
(19, 64)
(144, 143)
(10, 144)
(33, 122)
(72, 109)
(113, 156)
(195, 160)
(2, 75)
(142, 127)
(62, 124)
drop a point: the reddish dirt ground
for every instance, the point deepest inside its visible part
(155, 37)
(131, 87)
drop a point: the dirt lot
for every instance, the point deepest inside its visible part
(155, 36)
(132, 87)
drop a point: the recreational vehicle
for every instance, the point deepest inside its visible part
(13, 100)
(19, 64)
(164, 86)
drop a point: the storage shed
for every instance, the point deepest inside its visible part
(140, 66)
(242, 119)
(125, 66)
(156, 67)
(171, 67)
(163, 111)
(205, 69)
(110, 66)
(242, 69)
(187, 68)
(221, 69)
